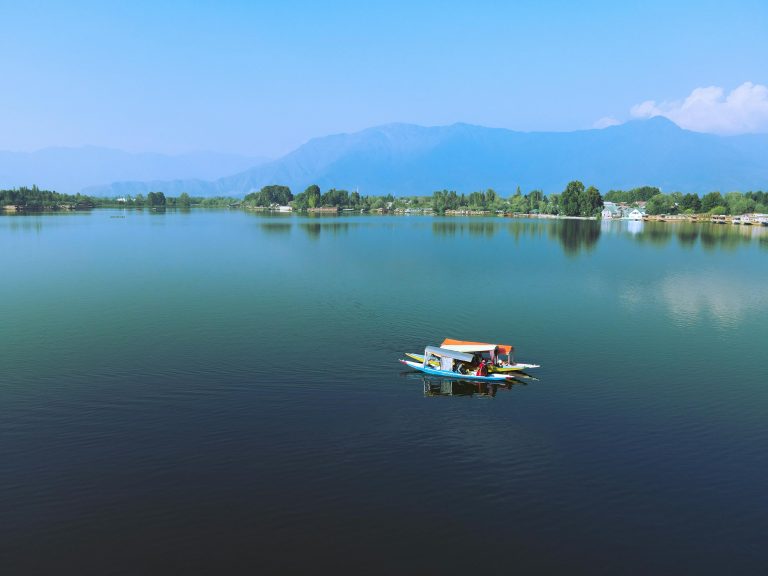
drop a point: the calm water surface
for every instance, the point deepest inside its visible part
(212, 392)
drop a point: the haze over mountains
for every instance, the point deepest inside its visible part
(405, 159)
(70, 170)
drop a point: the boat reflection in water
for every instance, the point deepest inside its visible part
(451, 387)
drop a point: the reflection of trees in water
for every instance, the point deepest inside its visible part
(489, 228)
(518, 228)
(687, 233)
(276, 227)
(725, 236)
(582, 235)
(24, 223)
(476, 228)
(313, 229)
(576, 235)
(445, 228)
(711, 236)
(656, 233)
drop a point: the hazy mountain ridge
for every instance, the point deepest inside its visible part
(71, 170)
(406, 159)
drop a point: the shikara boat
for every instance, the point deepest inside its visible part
(446, 363)
(500, 356)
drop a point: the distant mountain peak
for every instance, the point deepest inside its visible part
(652, 123)
(407, 159)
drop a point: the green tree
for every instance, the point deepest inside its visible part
(217, 202)
(590, 202)
(519, 204)
(156, 200)
(742, 206)
(269, 195)
(443, 200)
(691, 202)
(552, 205)
(184, 200)
(711, 200)
(617, 196)
(569, 199)
(477, 200)
(275, 194)
(643, 193)
(759, 197)
(739, 203)
(334, 197)
(535, 198)
(658, 204)
(313, 195)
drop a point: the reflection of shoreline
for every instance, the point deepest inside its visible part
(574, 236)
(687, 234)
(635, 226)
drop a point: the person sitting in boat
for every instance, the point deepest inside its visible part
(482, 369)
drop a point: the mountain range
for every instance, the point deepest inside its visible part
(405, 159)
(71, 170)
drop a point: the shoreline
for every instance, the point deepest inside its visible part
(734, 220)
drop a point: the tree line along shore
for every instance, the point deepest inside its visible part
(576, 200)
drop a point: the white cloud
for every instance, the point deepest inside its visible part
(710, 109)
(606, 121)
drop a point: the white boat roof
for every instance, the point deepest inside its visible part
(448, 353)
(470, 347)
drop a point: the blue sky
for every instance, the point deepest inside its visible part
(261, 78)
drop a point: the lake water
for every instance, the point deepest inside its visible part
(216, 392)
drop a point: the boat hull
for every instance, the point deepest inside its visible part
(497, 377)
(492, 369)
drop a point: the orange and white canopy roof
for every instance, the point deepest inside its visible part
(465, 346)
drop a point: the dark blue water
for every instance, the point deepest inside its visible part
(216, 392)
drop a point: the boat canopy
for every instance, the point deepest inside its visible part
(464, 346)
(445, 353)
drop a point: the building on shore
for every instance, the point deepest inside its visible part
(622, 211)
(610, 211)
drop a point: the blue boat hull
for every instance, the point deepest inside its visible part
(449, 374)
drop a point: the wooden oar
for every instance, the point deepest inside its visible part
(525, 375)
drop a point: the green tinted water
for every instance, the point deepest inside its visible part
(221, 389)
